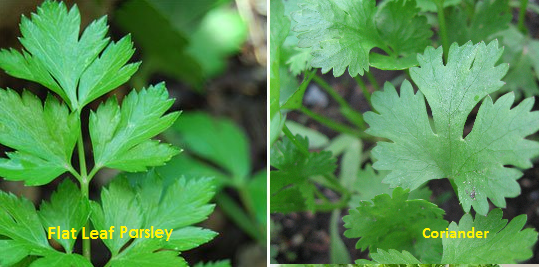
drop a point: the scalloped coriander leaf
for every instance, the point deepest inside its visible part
(511, 243)
(476, 162)
(75, 67)
(396, 222)
(176, 206)
(290, 187)
(343, 33)
(121, 136)
(67, 209)
(43, 136)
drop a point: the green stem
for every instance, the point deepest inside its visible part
(342, 203)
(302, 149)
(335, 125)
(84, 185)
(366, 92)
(454, 187)
(373, 81)
(248, 203)
(522, 16)
(443, 28)
(348, 112)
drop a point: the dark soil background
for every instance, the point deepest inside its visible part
(304, 237)
(239, 94)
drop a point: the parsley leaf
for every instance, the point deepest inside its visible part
(419, 153)
(55, 56)
(121, 136)
(67, 209)
(343, 33)
(396, 222)
(44, 137)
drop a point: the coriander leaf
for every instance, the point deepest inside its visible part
(118, 208)
(43, 136)
(419, 153)
(217, 139)
(490, 17)
(121, 136)
(394, 257)
(20, 223)
(299, 60)
(396, 222)
(511, 243)
(294, 168)
(67, 209)
(343, 33)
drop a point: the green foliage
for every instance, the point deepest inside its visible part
(476, 162)
(396, 222)
(343, 33)
(80, 69)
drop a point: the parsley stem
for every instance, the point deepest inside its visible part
(84, 184)
(443, 29)
(522, 16)
(348, 112)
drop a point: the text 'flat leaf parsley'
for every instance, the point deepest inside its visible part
(419, 153)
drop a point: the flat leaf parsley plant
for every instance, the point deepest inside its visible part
(477, 143)
(78, 69)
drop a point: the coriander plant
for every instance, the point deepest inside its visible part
(446, 114)
(79, 68)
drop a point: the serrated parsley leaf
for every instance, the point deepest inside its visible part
(57, 57)
(396, 222)
(43, 136)
(343, 33)
(419, 153)
(511, 243)
(121, 136)
(67, 209)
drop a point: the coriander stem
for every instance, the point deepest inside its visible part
(335, 125)
(302, 149)
(522, 16)
(443, 29)
(363, 88)
(349, 113)
(373, 81)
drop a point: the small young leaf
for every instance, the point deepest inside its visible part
(67, 209)
(511, 243)
(419, 153)
(44, 137)
(396, 223)
(121, 136)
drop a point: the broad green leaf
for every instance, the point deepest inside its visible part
(20, 223)
(67, 209)
(218, 140)
(522, 53)
(397, 223)
(12, 252)
(509, 241)
(147, 254)
(394, 257)
(490, 17)
(168, 55)
(223, 263)
(343, 33)
(121, 136)
(430, 5)
(43, 136)
(476, 162)
(118, 208)
(62, 260)
(189, 237)
(295, 168)
(258, 192)
(300, 60)
(71, 64)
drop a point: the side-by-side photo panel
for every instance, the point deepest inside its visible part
(403, 132)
